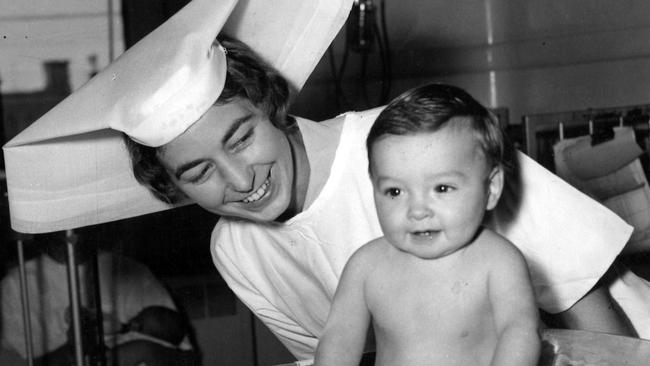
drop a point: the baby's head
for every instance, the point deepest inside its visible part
(431, 107)
(436, 160)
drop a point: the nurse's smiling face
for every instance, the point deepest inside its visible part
(233, 162)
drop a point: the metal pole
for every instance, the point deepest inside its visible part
(95, 303)
(73, 284)
(111, 51)
(254, 333)
(24, 295)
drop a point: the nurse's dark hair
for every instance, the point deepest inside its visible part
(248, 78)
(431, 107)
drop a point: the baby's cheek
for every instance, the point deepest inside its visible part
(390, 220)
(384, 211)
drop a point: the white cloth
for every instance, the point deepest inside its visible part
(620, 184)
(287, 273)
(604, 170)
(578, 153)
(612, 173)
(126, 288)
(632, 294)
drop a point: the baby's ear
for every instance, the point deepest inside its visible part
(495, 186)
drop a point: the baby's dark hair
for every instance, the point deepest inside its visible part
(430, 107)
(248, 78)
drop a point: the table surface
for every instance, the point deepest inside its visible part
(563, 347)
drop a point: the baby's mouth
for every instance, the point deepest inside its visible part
(259, 193)
(424, 233)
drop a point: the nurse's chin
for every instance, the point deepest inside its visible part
(272, 210)
(270, 207)
(261, 217)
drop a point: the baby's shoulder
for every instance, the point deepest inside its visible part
(490, 244)
(372, 250)
(368, 255)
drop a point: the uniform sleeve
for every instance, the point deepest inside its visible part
(568, 239)
(298, 341)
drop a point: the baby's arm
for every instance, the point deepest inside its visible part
(343, 338)
(514, 307)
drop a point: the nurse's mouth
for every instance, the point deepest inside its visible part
(258, 194)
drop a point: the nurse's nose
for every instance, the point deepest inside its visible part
(237, 176)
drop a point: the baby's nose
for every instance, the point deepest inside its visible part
(420, 211)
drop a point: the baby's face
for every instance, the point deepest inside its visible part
(432, 189)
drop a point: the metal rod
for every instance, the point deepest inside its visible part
(254, 334)
(24, 296)
(111, 49)
(73, 285)
(96, 299)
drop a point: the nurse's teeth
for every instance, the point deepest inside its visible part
(258, 193)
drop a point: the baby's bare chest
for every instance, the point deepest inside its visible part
(449, 304)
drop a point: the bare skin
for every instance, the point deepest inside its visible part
(439, 288)
(471, 308)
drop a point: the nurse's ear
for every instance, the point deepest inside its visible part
(495, 186)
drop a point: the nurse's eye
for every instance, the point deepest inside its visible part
(242, 141)
(443, 188)
(393, 192)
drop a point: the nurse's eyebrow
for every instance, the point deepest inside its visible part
(234, 127)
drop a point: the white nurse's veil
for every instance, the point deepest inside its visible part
(70, 168)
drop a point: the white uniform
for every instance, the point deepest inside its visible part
(287, 273)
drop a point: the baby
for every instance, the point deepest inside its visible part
(439, 288)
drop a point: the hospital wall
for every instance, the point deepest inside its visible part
(532, 56)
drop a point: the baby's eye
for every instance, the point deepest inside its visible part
(443, 188)
(393, 192)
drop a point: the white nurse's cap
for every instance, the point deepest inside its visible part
(70, 168)
(164, 83)
(155, 117)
